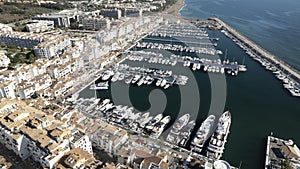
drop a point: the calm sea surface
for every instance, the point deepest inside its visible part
(256, 99)
(274, 24)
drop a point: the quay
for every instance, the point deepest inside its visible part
(179, 41)
(259, 50)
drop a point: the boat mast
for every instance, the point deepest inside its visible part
(95, 89)
(240, 166)
(225, 54)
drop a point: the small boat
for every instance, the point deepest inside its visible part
(106, 75)
(99, 86)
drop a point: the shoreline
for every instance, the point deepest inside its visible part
(176, 8)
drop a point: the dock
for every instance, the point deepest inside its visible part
(259, 50)
(209, 65)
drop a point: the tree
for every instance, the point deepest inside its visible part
(74, 25)
(30, 57)
(287, 164)
(20, 58)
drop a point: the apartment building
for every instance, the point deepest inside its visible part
(7, 90)
(131, 12)
(4, 60)
(111, 13)
(40, 26)
(20, 39)
(53, 47)
(95, 23)
(110, 138)
(32, 133)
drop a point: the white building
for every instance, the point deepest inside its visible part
(7, 90)
(4, 60)
(25, 91)
(95, 23)
(52, 47)
(40, 26)
(42, 82)
(110, 138)
(80, 140)
(32, 133)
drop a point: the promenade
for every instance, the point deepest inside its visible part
(257, 49)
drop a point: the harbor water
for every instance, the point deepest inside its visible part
(256, 99)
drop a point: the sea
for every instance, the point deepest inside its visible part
(273, 24)
(258, 103)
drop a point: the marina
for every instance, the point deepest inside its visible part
(123, 116)
(159, 60)
(178, 48)
(151, 125)
(208, 65)
(288, 75)
(143, 76)
(180, 30)
(148, 123)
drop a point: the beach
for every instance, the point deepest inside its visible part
(175, 8)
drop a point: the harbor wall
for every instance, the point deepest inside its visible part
(295, 74)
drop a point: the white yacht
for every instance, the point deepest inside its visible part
(100, 86)
(141, 81)
(160, 126)
(217, 142)
(135, 79)
(106, 75)
(203, 134)
(163, 83)
(177, 126)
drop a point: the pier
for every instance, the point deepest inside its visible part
(180, 41)
(195, 63)
(141, 75)
(259, 50)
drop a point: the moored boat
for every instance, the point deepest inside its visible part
(177, 126)
(202, 134)
(217, 142)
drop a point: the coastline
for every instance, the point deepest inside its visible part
(176, 8)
